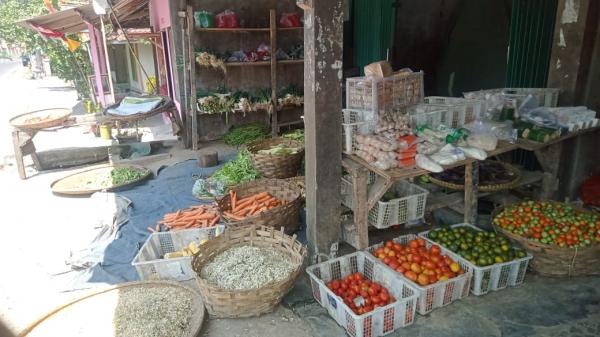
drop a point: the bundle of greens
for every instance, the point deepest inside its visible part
(124, 175)
(239, 170)
(244, 134)
(297, 135)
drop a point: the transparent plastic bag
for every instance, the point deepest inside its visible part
(542, 117)
(204, 19)
(482, 136)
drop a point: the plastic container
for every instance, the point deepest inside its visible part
(435, 295)
(547, 97)
(397, 211)
(495, 277)
(384, 94)
(379, 322)
(425, 114)
(461, 111)
(151, 265)
(356, 122)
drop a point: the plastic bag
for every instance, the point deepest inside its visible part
(542, 117)
(482, 136)
(227, 19)
(290, 20)
(473, 152)
(204, 19)
(425, 163)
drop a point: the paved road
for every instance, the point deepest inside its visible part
(20, 94)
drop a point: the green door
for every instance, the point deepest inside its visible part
(374, 25)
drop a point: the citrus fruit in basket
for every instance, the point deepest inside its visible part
(418, 263)
(551, 223)
(481, 248)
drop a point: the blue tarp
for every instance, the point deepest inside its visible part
(169, 191)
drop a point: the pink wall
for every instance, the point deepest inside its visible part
(160, 17)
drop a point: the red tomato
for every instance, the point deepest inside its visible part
(375, 300)
(330, 285)
(376, 286)
(358, 276)
(368, 308)
(406, 265)
(417, 258)
(398, 247)
(400, 270)
(411, 275)
(416, 268)
(423, 280)
(368, 300)
(430, 265)
(344, 286)
(435, 250)
(372, 291)
(364, 293)
(394, 265)
(387, 260)
(433, 278)
(428, 272)
(351, 294)
(421, 242)
(389, 244)
(384, 297)
(335, 284)
(435, 258)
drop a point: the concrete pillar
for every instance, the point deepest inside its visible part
(323, 46)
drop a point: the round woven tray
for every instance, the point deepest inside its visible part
(231, 303)
(552, 260)
(276, 166)
(41, 119)
(76, 184)
(483, 188)
(165, 106)
(103, 306)
(286, 216)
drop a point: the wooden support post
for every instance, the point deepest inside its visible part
(360, 208)
(273, 35)
(323, 44)
(549, 158)
(471, 187)
(191, 66)
(23, 146)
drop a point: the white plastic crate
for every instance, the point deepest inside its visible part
(151, 265)
(495, 277)
(384, 94)
(461, 111)
(435, 295)
(378, 322)
(356, 122)
(397, 211)
(547, 97)
(425, 114)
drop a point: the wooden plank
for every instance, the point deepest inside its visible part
(361, 209)
(273, 36)
(18, 154)
(377, 190)
(192, 78)
(471, 185)
(322, 113)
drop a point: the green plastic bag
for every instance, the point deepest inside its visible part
(204, 19)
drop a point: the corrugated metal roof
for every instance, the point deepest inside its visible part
(68, 21)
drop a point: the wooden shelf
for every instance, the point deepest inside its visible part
(262, 63)
(245, 30)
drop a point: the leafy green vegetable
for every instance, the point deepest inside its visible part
(123, 175)
(245, 134)
(239, 170)
(295, 135)
(280, 150)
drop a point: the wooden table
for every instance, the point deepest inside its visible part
(366, 196)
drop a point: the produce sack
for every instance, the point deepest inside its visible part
(227, 19)
(290, 20)
(204, 19)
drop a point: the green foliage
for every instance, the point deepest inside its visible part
(66, 65)
(237, 171)
(246, 133)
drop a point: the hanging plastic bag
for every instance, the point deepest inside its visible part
(290, 20)
(204, 19)
(227, 19)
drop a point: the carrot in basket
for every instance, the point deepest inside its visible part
(242, 205)
(232, 198)
(214, 221)
(233, 216)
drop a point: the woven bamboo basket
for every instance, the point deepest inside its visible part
(276, 166)
(482, 188)
(555, 261)
(233, 303)
(300, 181)
(41, 119)
(286, 215)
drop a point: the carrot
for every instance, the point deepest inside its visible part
(232, 197)
(263, 198)
(213, 221)
(233, 216)
(260, 210)
(242, 205)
